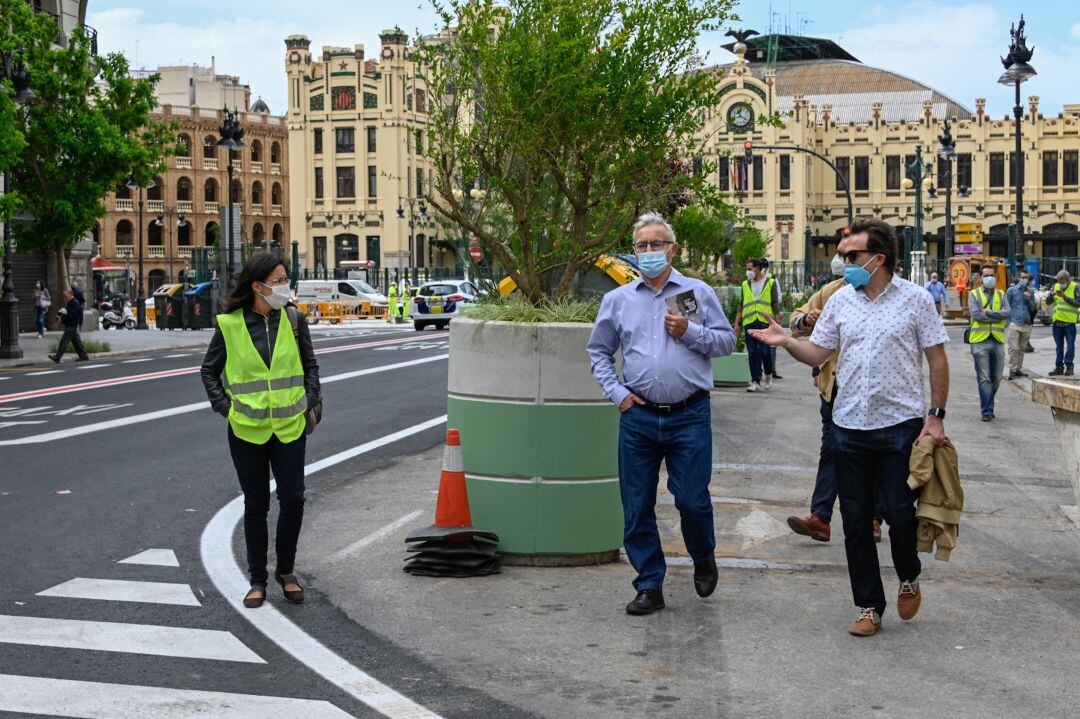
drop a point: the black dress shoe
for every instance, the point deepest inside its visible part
(705, 577)
(647, 601)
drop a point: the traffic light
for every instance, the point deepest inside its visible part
(748, 151)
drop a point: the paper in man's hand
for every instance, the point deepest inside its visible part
(685, 304)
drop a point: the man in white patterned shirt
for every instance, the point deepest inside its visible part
(883, 325)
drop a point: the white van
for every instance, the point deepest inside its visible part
(346, 291)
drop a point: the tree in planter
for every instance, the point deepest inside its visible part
(567, 113)
(87, 130)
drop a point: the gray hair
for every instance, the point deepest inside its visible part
(654, 218)
(1062, 274)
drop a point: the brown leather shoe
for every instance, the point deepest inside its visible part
(877, 530)
(867, 624)
(810, 527)
(291, 588)
(255, 597)
(909, 599)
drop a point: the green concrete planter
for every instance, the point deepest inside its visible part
(539, 441)
(731, 371)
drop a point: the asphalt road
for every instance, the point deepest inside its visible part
(101, 461)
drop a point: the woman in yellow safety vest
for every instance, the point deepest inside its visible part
(261, 374)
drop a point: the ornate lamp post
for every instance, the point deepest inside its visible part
(947, 152)
(1017, 71)
(180, 222)
(13, 68)
(918, 175)
(140, 300)
(232, 138)
(418, 202)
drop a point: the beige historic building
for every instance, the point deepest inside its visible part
(194, 183)
(869, 121)
(357, 128)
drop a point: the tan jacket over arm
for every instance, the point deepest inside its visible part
(935, 473)
(827, 378)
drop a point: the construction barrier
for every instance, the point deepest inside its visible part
(339, 312)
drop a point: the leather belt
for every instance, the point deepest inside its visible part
(674, 407)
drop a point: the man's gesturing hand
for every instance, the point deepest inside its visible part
(631, 399)
(774, 335)
(675, 324)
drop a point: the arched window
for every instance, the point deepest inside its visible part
(275, 194)
(183, 235)
(279, 234)
(183, 190)
(154, 234)
(237, 194)
(257, 234)
(256, 193)
(213, 232)
(124, 233)
(210, 191)
(275, 152)
(123, 193)
(209, 148)
(256, 151)
(157, 192)
(156, 279)
(183, 145)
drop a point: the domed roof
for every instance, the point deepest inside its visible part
(260, 106)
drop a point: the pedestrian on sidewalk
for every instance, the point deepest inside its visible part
(1066, 304)
(1021, 301)
(817, 525)
(42, 303)
(989, 310)
(760, 296)
(882, 325)
(779, 295)
(938, 291)
(71, 314)
(272, 377)
(663, 398)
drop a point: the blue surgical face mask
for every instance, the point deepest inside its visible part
(858, 275)
(1023, 282)
(653, 264)
(989, 282)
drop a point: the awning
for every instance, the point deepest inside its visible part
(100, 263)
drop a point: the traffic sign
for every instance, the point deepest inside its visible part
(968, 249)
(960, 272)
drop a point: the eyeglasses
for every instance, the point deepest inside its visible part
(655, 245)
(852, 256)
(277, 281)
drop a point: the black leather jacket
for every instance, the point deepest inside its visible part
(263, 331)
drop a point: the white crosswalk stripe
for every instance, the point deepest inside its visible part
(121, 590)
(153, 558)
(95, 366)
(44, 371)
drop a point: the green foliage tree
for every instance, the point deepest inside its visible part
(88, 129)
(567, 113)
(705, 234)
(752, 243)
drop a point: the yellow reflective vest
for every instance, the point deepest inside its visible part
(265, 400)
(982, 331)
(1063, 311)
(754, 309)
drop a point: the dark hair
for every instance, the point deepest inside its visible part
(256, 269)
(880, 238)
(757, 262)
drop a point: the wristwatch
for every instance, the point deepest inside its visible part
(938, 412)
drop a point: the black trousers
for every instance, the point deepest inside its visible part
(71, 336)
(253, 464)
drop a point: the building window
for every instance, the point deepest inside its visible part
(843, 173)
(695, 164)
(862, 173)
(997, 169)
(345, 139)
(725, 174)
(421, 98)
(942, 173)
(892, 172)
(373, 251)
(346, 182)
(320, 253)
(785, 172)
(318, 183)
(419, 142)
(759, 172)
(372, 186)
(1050, 169)
(419, 182)
(1012, 169)
(371, 139)
(963, 170)
(420, 255)
(1070, 167)
(318, 141)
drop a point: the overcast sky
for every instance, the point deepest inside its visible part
(951, 46)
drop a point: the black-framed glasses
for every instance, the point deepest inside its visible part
(852, 256)
(655, 245)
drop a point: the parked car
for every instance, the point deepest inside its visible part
(436, 303)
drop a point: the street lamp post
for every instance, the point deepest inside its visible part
(947, 152)
(417, 202)
(232, 138)
(180, 222)
(1017, 71)
(918, 178)
(11, 67)
(140, 300)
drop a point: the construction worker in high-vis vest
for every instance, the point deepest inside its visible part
(1066, 307)
(760, 297)
(989, 309)
(392, 303)
(406, 303)
(260, 373)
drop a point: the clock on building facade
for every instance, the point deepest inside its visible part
(740, 117)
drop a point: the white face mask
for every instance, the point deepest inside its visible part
(279, 296)
(837, 266)
(750, 275)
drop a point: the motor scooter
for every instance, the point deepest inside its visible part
(111, 318)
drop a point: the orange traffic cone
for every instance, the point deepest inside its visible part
(452, 507)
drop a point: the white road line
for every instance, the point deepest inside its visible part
(127, 638)
(94, 366)
(133, 361)
(194, 407)
(186, 354)
(153, 558)
(224, 571)
(42, 696)
(123, 590)
(45, 371)
(372, 538)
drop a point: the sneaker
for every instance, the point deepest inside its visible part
(766, 382)
(1021, 373)
(986, 418)
(55, 358)
(867, 624)
(1068, 371)
(1056, 372)
(776, 376)
(877, 529)
(811, 527)
(909, 599)
(753, 387)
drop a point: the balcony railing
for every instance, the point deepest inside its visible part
(125, 205)
(211, 207)
(209, 163)
(185, 206)
(256, 209)
(256, 166)
(184, 250)
(125, 251)
(275, 210)
(275, 168)
(155, 205)
(155, 252)
(183, 163)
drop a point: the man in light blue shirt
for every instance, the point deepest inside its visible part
(1021, 300)
(938, 292)
(669, 327)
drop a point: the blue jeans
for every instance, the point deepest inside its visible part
(989, 363)
(760, 354)
(824, 497)
(871, 462)
(1065, 340)
(684, 441)
(39, 318)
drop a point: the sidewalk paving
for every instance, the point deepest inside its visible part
(996, 635)
(122, 343)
